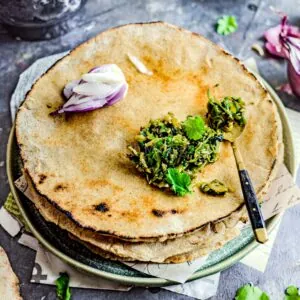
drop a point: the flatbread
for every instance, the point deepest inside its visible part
(9, 282)
(213, 243)
(80, 161)
(210, 236)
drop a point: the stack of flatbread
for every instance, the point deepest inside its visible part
(77, 167)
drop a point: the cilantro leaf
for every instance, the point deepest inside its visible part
(292, 293)
(250, 292)
(62, 287)
(194, 127)
(180, 182)
(227, 25)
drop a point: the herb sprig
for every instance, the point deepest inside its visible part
(194, 127)
(292, 293)
(62, 287)
(227, 25)
(251, 292)
(179, 181)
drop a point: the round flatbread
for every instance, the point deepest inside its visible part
(214, 243)
(79, 161)
(9, 283)
(207, 237)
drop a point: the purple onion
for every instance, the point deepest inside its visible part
(101, 69)
(83, 102)
(68, 90)
(119, 95)
(294, 79)
(90, 104)
(284, 41)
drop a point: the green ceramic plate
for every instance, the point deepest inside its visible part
(57, 241)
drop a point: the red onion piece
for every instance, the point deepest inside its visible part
(90, 104)
(120, 94)
(294, 79)
(273, 44)
(68, 90)
(286, 88)
(294, 49)
(273, 36)
(101, 69)
(284, 41)
(100, 90)
(95, 92)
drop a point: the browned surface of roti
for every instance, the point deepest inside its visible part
(9, 282)
(203, 249)
(207, 237)
(79, 161)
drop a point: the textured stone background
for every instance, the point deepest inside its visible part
(254, 16)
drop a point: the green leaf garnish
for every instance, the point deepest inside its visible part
(194, 127)
(251, 292)
(227, 25)
(180, 182)
(292, 293)
(167, 143)
(62, 287)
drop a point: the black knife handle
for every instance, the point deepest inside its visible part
(254, 211)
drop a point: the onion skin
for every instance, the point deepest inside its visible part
(294, 79)
(286, 88)
(284, 41)
(121, 94)
(273, 44)
(68, 90)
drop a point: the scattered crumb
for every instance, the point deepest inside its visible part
(26, 56)
(258, 48)
(208, 61)
(89, 26)
(286, 88)
(1, 164)
(139, 65)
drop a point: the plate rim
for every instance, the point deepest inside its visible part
(154, 281)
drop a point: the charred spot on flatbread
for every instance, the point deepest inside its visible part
(60, 187)
(42, 178)
(102, 207)
(158, 213)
